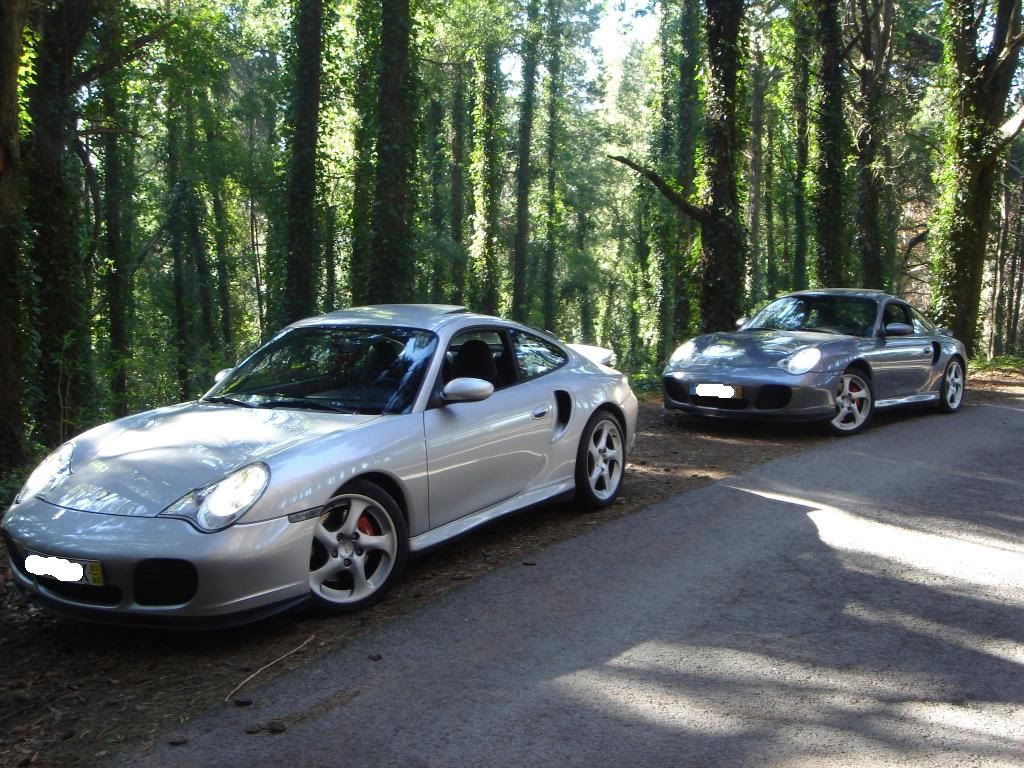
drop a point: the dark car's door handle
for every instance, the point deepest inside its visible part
(540, 411)
(926, 351)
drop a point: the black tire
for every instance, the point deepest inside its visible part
(954, 386)
(603, 437)
(855, 404)
(345, 576)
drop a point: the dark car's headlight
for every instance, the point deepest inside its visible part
(217, 506)
(801, 361)
(53, 466)
(683, 353)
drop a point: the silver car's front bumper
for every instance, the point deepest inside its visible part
(161, 571)
(765, 393)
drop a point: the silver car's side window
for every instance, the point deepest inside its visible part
(536, 357)
(479, 353)
(896, 313)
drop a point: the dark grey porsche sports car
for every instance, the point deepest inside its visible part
(831, 355)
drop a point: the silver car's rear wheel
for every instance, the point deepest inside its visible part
(952, 393)
(360, 544)
(854, 404)
(600, 461)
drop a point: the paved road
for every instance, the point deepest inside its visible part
(859, 604)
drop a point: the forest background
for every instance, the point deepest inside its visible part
(180, 179)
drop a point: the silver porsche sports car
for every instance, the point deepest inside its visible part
(313, 468)
(830, 355)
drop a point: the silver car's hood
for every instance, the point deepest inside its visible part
(139, 465)
(753, 349)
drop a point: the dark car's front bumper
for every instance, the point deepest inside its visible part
(766, 393)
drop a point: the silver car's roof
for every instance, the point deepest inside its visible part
(425, 316)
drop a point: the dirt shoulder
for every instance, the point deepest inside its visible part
(72, 694)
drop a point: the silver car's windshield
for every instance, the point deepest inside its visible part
(848, 315)
(362, 369)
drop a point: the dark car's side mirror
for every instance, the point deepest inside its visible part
(219, 376)
(466, 390)
(898, 329)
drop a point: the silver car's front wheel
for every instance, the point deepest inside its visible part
(854, 404)
(360, 544)
(600, 461)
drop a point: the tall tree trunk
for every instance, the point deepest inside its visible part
(118, 279)
(367, 45)
(489, 176)
(215, 180)
(521, 246)
(802, 45)
(830, 255)
(980, 84)
(54, 210)
(12, 446)
(689, 127)
(194, 210)
(176, 226)
(439, 266)
(771, 262)
(394, 199)
(759, 86)
(458, 184)
(330, 259)
(554, 8)
(254, 250)
(304, 116)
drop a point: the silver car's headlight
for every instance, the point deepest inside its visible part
(801, 361)
(217, 506)
(683, 353)
(53, 466)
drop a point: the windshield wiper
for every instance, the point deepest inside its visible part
(227, 399)
(303, 402)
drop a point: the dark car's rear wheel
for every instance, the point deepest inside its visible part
(951, 395)
(600, 461)
(854, 403)
(360, 545)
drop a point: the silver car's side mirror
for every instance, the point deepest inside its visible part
(466, 390)
(741, 322)
(898, 329)
(219, 376)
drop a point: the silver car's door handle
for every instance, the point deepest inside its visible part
(926, 351)
(540, 411)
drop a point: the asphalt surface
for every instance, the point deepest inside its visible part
(861, 603)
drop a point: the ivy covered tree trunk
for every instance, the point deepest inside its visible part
(176, 227)
(55, 211)
(980, 79)
(759, 85)
(394, 258)
(12, 446)
(689, 126)
(435, 158)
(830, 251)
(215, 179)
(549, 309)
(458, 183)
(520, 249)
(367, 41)
(304, 116)
(488, 173)
(802, 45)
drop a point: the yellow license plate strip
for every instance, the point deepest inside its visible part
(40, 564)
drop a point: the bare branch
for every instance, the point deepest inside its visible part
(696, 213)
(129, 52)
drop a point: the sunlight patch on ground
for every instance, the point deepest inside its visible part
(1002, 648)
(987, 565)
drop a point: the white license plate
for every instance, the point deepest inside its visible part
(721, 391)
(65, 569)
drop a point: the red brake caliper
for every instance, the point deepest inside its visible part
(854, 389)
(365, 525)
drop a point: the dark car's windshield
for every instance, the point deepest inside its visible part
(849, 315)
(363, 369)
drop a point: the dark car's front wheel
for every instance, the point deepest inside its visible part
(600, 461)
(854, 403)
(951, 395)
(360, 545)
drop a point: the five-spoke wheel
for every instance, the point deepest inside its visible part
(360, 544)
(854, 403)
(600, 461)
(951, 395)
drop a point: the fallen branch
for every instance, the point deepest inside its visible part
(265, 667)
